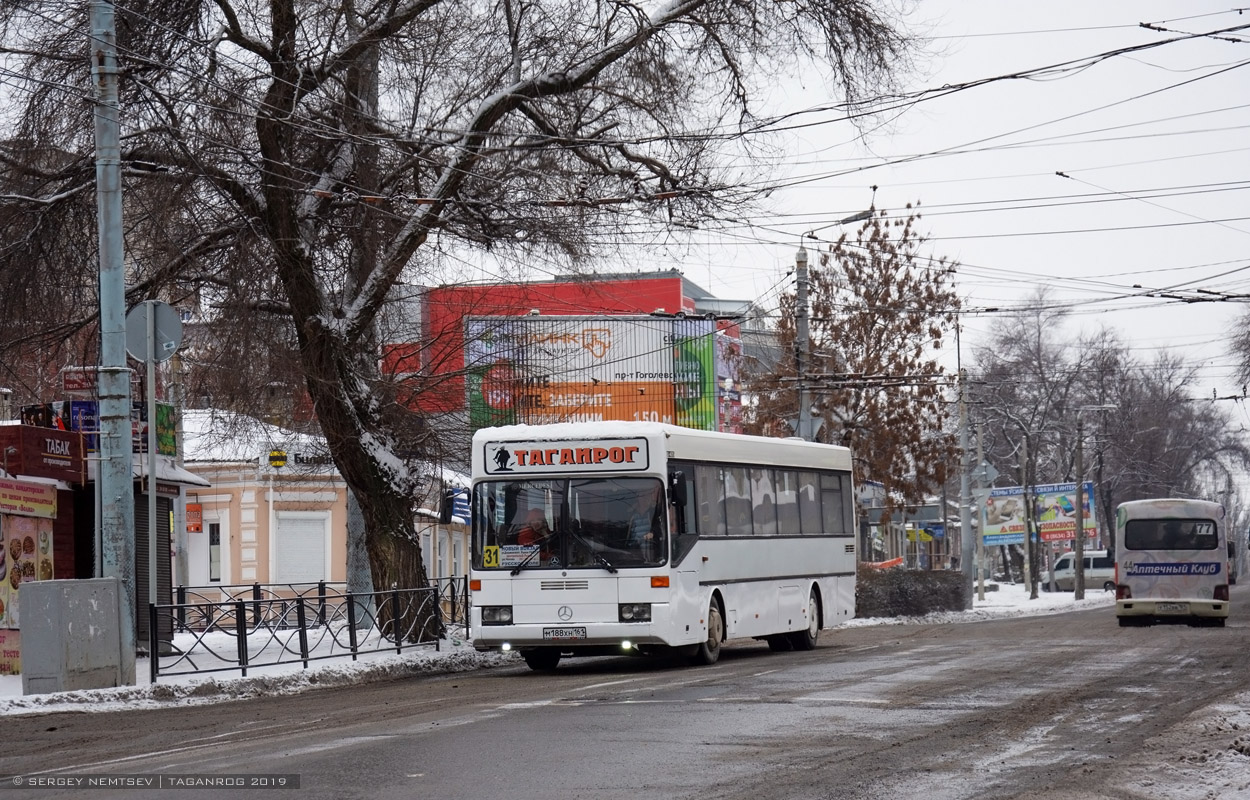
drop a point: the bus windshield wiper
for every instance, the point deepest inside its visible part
(595, 554)
(524, 563)
(604, 562)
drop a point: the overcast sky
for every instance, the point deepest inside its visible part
(1153, 143)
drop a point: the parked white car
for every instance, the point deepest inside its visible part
(1099, 571)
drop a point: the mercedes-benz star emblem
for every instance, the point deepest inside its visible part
(565, 613)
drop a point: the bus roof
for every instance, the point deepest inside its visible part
(688, 442)
(1170, 507)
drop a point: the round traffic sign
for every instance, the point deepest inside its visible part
(166, 331)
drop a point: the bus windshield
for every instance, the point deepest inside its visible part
(1170, 534)
(563, 523)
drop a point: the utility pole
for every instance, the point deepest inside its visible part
(802, 344)
(1078, 550)
(980, 527)
(1030, 581)
(965, 496)
(115, 476)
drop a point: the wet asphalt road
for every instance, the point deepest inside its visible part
(1066, 706)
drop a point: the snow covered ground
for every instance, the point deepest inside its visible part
(1196, 774)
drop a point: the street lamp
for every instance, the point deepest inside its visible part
(1079, 549)
(801, 346)
(802, 334)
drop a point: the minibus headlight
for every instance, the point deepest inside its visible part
(496, 615)
(635, 612)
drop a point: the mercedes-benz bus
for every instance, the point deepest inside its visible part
(646, 538)
(1171, 562)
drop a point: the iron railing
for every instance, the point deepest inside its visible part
(239, 627)
(194, 602)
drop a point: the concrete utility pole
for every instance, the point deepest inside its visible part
(980, 527)
(1030, 549)
(965, 497)
(1078, 549)
(802, 344)
(115, 476)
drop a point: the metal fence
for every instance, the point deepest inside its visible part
(237, 627)
(193, 602)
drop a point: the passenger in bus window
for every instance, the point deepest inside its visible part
(1171, 535)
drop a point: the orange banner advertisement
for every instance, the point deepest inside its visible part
(577, 401)
(27, 499)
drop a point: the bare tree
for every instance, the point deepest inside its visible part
(880, 309)
(287, 163)
(1159, 440)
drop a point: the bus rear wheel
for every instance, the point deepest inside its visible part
(709, 651)
(806, 639)
(779, 642)
(542, 659)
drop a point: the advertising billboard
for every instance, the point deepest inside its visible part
(1002, 515)
(539, 370)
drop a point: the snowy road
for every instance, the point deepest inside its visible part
(1066, 706)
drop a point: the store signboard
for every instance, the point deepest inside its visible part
(25, 555)
(43, 452)
(195, 518)
(27, 499)
(10, 651)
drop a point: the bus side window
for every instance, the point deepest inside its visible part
(737, 501)
(787, 485)
(831, 503)
(764, 508)
(710, 495)
(809, 503)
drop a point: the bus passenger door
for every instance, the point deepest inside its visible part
(688, 608)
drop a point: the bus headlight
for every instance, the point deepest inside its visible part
(635, 612)
(496, 615)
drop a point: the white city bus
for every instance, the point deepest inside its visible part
(637, 537)
(1171, 562)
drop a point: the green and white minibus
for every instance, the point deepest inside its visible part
(1171, 562)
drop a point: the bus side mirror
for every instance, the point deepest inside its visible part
(677, 489)
(677, 497)
(444, 509)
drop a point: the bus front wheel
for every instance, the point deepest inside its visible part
(542, 659)
(709, 651)
(806, 639)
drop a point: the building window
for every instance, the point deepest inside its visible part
(299, 547)
(214, 551)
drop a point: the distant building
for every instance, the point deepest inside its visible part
(434, 364)
(276, 512)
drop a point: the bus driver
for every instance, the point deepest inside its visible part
(642, 533)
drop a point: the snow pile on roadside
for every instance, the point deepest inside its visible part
(1211, 761)
(263, 682)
